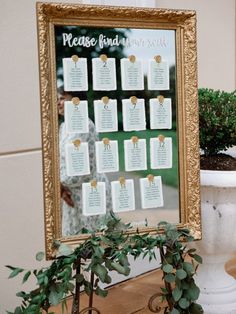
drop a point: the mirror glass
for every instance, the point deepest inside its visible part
(117, 126)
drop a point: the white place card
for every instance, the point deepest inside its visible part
(77, 159)
(123, 196)
(151, 192)
(160, 114)
(161, 153)
(135, 155)
(94, 199)
(107, 158)
(106, 116)
(134, 118)
(158, 75)
(132, 77)
(104, 74)
(75, 74)
(76, 117)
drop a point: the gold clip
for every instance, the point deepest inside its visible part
(122, 181)
(134, 140)
(75, 101)
(134, 100)
(150, 178)
(75, 58)
(103, 58)
(161, 139)
(161, 99)
(105, 100)
(157, 58)
(132, 58)
(77, 143)
(93, 184)
(106, 143)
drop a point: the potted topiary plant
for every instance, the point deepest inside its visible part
(217, 123)
(217, 127)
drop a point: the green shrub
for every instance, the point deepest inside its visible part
(217, 120)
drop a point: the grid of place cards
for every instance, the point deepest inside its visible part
(104, 74)
(136, 153)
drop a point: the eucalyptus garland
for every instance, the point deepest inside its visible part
(108, 251)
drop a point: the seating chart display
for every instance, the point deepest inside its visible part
(119, 114)
(129, 99)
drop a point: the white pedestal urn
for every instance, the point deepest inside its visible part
(218, 208)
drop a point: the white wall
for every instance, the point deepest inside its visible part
(216, 40)
(21, 192)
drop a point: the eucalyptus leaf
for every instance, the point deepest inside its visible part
(183, 303)
(64, 250)
(15, 272)
(123, 259)
(101, 292)
(37, 298)
(193, 292)
(119, 268)
(177, 293)
(21, 294)
(191, 251)
(197, 258)
(107, 279)
(169, 278)
(188, 267)
(181, 274)
(70, 286)
(11, 267)
(54, 297)
(40, 256)
(18, 310)
(175, 311)
(167, 268)
(45, 280)
(26, 276)
(196, 309)
(32, 308)
(100, 271)
(99, 251)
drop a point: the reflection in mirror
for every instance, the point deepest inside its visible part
(118, 132)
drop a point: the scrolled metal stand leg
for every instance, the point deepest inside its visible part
(93, 309)
(76, 299)
(90, 309)
(154, 308)
(157, 308)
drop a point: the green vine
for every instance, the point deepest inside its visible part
(109, 251)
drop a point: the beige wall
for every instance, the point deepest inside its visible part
(21, 192)
(216, 40)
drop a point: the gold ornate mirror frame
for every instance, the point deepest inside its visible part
(184, 23)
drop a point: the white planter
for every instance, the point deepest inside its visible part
(218, 207)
